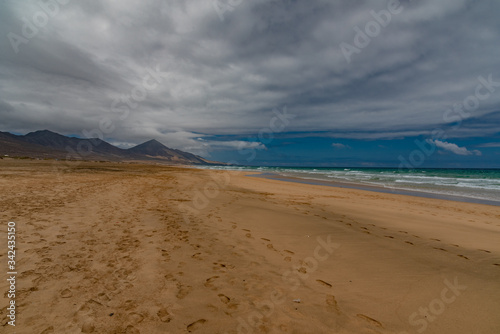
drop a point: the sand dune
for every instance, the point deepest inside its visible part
(128, 248)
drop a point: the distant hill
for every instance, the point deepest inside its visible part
(156, 150)
(48, 144)
(14, 145)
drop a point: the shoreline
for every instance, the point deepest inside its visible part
(373, 188)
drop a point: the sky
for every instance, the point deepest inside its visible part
(275, 82)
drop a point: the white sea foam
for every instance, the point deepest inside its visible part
(477, 184)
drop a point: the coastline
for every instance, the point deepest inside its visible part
(387, 190)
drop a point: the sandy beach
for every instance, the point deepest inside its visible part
(131, 248)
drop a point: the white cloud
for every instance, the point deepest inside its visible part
(454, 148)
(340, 146)
(124, 145)
(236, 144)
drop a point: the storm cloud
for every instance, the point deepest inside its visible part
(203, 75)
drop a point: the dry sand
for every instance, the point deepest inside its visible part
(128, 248)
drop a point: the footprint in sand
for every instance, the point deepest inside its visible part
(223, 266)
(164, 315)
(90, 306)
(131, 330)
(389, 236)
(48, 330)
(331, 304)
(209, 281)
(463, 256)
(183, 290)
(370, 320)
(283, 328)
(409, 242)
(135, 317)
(165, 255)
(484, 250)
(223, 298)
(103, 298)
(441, 249)
(324, 283)
(270, 246)
(196, 325)
(88, 327)
(66, 293)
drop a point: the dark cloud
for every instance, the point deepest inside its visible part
(226, 77)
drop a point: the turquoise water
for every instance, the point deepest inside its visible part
(482, 184)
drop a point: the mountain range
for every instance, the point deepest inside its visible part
(48, 144)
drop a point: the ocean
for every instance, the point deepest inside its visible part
(476, 185)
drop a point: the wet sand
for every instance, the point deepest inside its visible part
(130, 248)
(380, 189)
